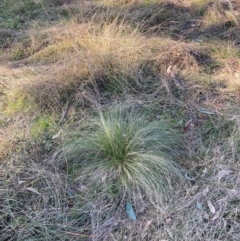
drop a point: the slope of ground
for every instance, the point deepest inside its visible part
(65, 65)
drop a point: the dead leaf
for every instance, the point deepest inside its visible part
(189, 125)
(199, 205)
(31, 189)
(223, 173)
(168, 220)
(204, 172)
(104, 177)
(205, 216)
(70, 192)
(204, 111)
(146, 227)
(211, 207)
(216, 216)
(173, 76)
(189, 178)
(169, 69)
(57, 135)
(130, 211)
(20, 182)
(205, 191)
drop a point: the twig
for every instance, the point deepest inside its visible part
(64, 113)
(78, 234)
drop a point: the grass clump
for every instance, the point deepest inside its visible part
(221, 14)
(41, 125)
(126, 149)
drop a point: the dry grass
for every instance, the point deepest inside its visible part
(179, 60)
(220, 12)
(105, 57)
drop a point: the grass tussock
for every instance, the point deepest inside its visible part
(110, 58)
(80, 55)
(220, 12)
(122, 147)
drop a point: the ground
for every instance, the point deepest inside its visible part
(63, 62)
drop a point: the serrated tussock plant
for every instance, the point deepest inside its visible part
(125, 147)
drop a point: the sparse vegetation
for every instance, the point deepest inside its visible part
(71, 158)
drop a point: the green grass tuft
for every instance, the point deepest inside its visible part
(41, 125)
(123, 147)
